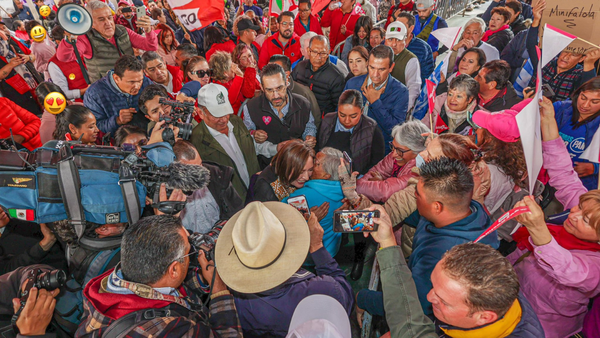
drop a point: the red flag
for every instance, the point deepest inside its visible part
(318, 5)
(358, 10)
(430, 93)
(196, 14)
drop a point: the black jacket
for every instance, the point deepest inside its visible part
(518, 25)
(503, 101)
(19, 246)
(222, 190)
(327, 83)
(501, 39)
(261, 190)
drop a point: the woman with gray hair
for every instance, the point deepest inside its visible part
(451, 109)
(393, 172)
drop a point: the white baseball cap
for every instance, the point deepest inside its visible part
(215, 98)
(424, 4)
(319, 316)
(396, 30)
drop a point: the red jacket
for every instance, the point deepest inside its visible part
(314, 26)
(21, 122)
(177, 76)
(72, 72)
(409, 7)
(272, 46)
(241, 88)
(227, 46)
(335, 19)
(123, 22)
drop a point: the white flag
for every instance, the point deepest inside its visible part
(554, 41)
(592, 152)
(447, 36)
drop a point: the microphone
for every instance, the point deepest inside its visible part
(187, 177)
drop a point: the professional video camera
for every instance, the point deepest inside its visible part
(180, 117)
(48, 280)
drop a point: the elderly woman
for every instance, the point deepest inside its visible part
(240, 85)
(360, 37)
(451, 109)
(559, 266)
(393, 172)
(324, 188)
(289, 170)
(243, 57)
(469, 63)
(350, 131)
(499, 33)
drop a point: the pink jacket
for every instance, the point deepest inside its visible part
(380, 191)
(558, 282)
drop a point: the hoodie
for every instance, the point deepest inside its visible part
(430, 244)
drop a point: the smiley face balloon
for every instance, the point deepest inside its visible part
(45, 11)
(38, 34)
(55, 103)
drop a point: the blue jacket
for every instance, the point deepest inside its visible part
(390, 110)
(431, 40)
(269, 313)
(528, 327)
(105, 101)
(317, 192)
(563, 112)
(527, 11)
(425, 55)
(430, 244)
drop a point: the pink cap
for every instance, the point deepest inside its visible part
(502, 124)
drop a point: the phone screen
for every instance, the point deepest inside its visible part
(299, 202)
(349, 161)
(351, 221)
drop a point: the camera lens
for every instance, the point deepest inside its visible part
(51, 280)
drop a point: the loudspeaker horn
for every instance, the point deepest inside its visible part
(74, 19)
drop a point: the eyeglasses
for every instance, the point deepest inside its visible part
(202, 73)
(192, 251)
(321, 54)
(398, 150)
(273, 90)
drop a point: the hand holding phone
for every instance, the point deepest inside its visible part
(354, 221)
(140, 11)
(299, 202)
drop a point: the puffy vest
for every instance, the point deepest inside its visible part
(360, 141)
(400, 60)
(293, 124)
(104, 53)
(72, 72)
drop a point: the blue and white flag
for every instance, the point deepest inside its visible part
(524, 77)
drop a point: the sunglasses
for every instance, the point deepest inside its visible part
(202, 73)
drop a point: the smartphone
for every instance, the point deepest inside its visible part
(547, 91)
(299, 202)
(349, 160)
(140, 11)
(353, 221)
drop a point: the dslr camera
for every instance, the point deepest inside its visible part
(206, 242)
(180, 111)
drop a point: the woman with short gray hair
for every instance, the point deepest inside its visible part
(451, 108)
(393, 172)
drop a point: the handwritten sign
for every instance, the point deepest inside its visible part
(578, 17)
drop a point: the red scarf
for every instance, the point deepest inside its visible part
(562, 237)
(489, 33)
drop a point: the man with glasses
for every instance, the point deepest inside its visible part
(158, 71)
(221, 137)
(278, 115)
(306, 21)
(320, 75)
(471, 37)
(284, 42)
(152, 275)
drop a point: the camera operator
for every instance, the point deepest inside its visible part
(154, 265)
(37, 313)
(217, 201)
(25, 243)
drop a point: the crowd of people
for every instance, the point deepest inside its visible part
(317, 104)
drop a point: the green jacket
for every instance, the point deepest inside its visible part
(403, 312)
(210, 150)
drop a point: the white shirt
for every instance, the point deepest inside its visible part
(491, 53)
(412, 75)
(169, 86)
(232, 148)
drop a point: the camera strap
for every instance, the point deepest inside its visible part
(70, 189)
(130, 193)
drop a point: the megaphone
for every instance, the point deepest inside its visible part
(74, 19)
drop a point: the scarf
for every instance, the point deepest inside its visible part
(8, 54)
(489, 33)
(562, 237)
(280, 190)
(456, 118)
(499, 329)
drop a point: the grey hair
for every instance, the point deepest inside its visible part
(465, 83)
(331, 162)
(95, 5)
(476, 20)
(409, 134)
(320, 38)
(305, 38)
